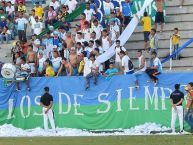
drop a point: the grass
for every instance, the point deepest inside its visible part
(111, 140)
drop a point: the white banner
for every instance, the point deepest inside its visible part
(125, 35)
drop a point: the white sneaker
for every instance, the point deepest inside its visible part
(136, 87)
(181, 132)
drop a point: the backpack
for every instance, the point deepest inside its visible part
(130, 65)
(120, 48)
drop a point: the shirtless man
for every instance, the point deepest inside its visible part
(69, 40)
(159, 18)
(67, 66)
(31, 60)
(73, 58)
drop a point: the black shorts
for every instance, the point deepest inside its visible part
(159, 17)
(146, 36)
(127, 20)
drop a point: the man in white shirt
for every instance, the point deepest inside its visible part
(86, 31)
(97, 28)
(79, 37)
(71, 5)
(32, 18)
(92, 44)
(37, 26)
(155, 67)
(118, 48)
(94, 67)
(62, 33)
(108, 7)
(5, 34)
(141, 67)
(89, 12)
(55, 4)
(21, 27)
(127, 66)
(79, 48)
(93, 36)
(56, 61)
(25, 70)
(96, 52)
(114, 31)
(10, 10)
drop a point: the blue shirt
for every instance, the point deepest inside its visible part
(56, 42)
(63, 1)
(110, 72)
(3, 24)
(21, 22)
(117, 21)
(92, 6)
(48, 41)
(126, 8)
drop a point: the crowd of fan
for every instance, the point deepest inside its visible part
(67, 52)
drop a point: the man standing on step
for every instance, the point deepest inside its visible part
(21, 27)
(177, 97)
(46, 101)
(159, 18)
(126, 7)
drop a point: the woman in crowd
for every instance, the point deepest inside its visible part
(51, 19)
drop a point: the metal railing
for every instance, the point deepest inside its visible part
(169, 57)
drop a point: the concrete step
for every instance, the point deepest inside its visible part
(181, 63)
(5, 55)
(162, 36)
(174, 3)
(176, 10)
(178, 69)
(176, 64)
(162, 44)
(162, 53)
(179, 18)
